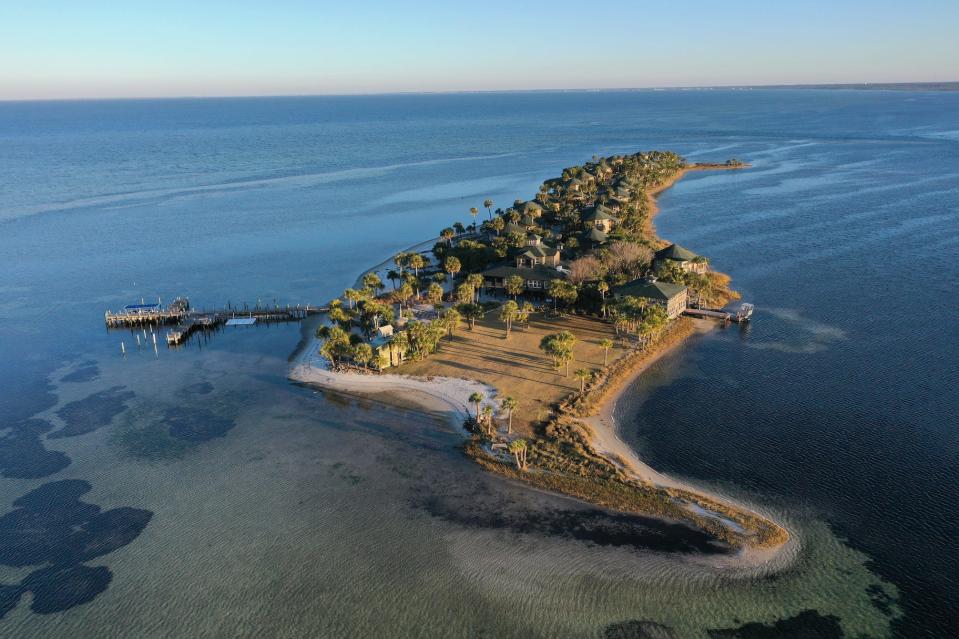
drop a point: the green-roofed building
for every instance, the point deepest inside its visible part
(600, 217)
(596, 236)
(536, 279)
(672, 297)
(681, 257)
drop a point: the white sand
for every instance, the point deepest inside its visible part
(446, 394)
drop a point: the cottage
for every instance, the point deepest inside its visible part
(601, 218)
(681, 257)
(538, 254)
(536, 279)
(672, 297)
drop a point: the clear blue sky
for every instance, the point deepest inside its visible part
(131, 48)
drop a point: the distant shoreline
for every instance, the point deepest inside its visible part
(946, 86)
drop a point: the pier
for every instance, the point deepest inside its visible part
(185, 320)
(741, 316)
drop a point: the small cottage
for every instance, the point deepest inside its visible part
(672, 297)
(681, 257)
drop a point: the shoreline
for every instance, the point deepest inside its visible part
(450, 396)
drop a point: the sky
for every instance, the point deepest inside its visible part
(56, 49)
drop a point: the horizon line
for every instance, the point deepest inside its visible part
(943, 85)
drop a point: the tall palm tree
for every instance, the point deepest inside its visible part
(489, 207)
(488, 419)
(477, 398)
(509, 404)
(474, 211)
(476, 281)
(606, 344)
(507, 314)
(583, 375)
(416, 262)
(518, 447)
(452, 266)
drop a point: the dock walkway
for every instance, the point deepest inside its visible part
(186, 320)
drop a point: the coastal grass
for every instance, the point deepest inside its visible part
(563, 460)
(516, 366)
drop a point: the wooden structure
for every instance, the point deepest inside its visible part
(187, 320)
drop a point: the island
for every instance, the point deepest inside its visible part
(527, 323)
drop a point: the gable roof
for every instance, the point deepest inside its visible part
(595, 235)
(537, 272)
(599, 212)
(539, 251)
(676, 252)
(663, 291)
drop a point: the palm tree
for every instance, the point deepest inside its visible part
(606, 344)
(559, 346)
(451, 320)
(473, 212)
(363, 354)
(524, 312)
(488, 419)
(352, 296)
(489, 207)
(509, 404)
(373, 282)
(416, 262)
(518, 447)
(562, 290)
(583, 375)
(401, 344)
(400, 260)
(477, 398)
(434, 293)
(515, 285)
(471, 312)
(603, 288)
(476, 281)
(403, 294)
(452, 266)
(448, 234)
(392, 276)
(507, 314)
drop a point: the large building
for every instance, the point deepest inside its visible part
(672, 297)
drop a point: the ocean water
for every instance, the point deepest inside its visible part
(196, 491)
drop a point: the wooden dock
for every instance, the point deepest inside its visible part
(186, 321)
(743, 315)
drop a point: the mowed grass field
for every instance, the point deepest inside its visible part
(516, 366)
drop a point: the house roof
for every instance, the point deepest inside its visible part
(539, 251)
(514, 228)
(595, 235)
(538, 272)
(664, 291)
(599, 212)
(676, 252)
(527, 220)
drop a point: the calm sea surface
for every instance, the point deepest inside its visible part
(197, 492)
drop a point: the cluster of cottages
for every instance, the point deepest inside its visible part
(538, 263)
